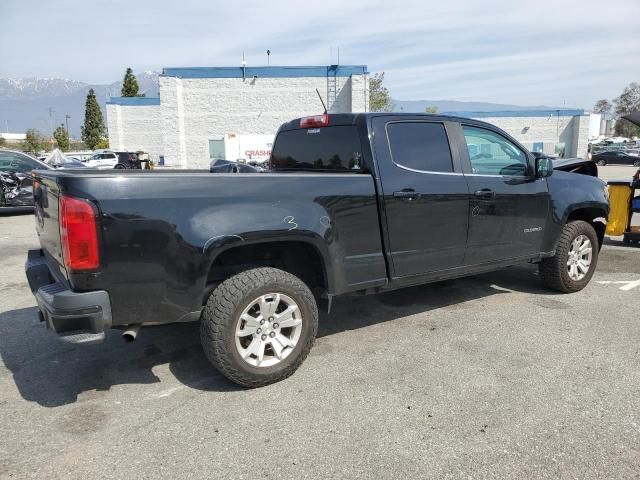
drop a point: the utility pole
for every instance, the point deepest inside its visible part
(51, 122)
(66, 121)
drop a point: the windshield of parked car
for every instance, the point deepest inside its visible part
(324, 149)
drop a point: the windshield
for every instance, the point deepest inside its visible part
(325, 149)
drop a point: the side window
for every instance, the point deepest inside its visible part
(18, 163)
(492, 154)
(420, 146)
(7, 163)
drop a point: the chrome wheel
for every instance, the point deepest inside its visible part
(268, 330)
(579, 258)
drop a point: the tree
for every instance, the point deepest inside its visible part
(34, 141)
(62, 139)
(627, 102)
(603, 107)
(130, 85)
(379, 98)
(3, 142)
(103, 143)
(431, 109)
(93, 129)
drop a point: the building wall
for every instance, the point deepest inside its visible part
(135, 127)
(196, 110)
(572, 130)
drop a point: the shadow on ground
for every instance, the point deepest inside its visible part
(52, 373)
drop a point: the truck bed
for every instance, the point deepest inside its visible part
(160, 231)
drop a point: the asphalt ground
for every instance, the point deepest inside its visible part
(491, 376)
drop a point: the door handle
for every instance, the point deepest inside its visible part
(407, 194)
(485, 193)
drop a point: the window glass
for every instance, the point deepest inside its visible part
(326, 148)
(7, 162)
(11, 162)
(420, 146)
(492, 154)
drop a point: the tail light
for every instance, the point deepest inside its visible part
(78, 234)
(315, 121)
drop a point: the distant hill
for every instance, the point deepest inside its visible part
(456, 106)
(25, 102)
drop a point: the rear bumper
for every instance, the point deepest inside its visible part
(77, 317)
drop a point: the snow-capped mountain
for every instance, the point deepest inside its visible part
(30, 88)
(25, 102)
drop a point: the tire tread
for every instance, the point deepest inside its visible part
(218, 318)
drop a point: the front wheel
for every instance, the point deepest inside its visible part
(601, 163)
(574, 263)
(258, 326)
(636, 163)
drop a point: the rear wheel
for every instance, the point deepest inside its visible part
(636, 163)
(575, 260)
(119, 166)
(258, 326)
(601, 163)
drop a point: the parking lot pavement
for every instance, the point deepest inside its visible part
(485, 377)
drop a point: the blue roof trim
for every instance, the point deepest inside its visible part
(519, 113)
(133, 101)
(265, 72)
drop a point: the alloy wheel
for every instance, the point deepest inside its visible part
(579, 257)
(268, 330)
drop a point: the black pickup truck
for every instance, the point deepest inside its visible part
(352, 203)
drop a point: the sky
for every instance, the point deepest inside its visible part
(524, 52)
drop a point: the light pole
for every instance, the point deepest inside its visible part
(66, 121)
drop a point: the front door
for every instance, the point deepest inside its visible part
(425, 195)
(216, 150)
(508, 205)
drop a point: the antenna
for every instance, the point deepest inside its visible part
(321, 101)
(244, 68)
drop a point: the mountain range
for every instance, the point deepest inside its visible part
(43, 103)
(26, 102)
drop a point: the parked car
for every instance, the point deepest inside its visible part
(616, 140)
(354, 203)
(229, 166)
(615, 157)
(102, 160)
(16, 181)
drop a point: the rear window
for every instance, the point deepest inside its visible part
(327, 148)
(420, 146)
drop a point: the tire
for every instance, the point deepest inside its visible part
(555, 272)
(601, 163)
(119, 166)
(221, 320)
(636, 163)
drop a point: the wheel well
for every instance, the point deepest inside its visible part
(298, 258)
(593, 216)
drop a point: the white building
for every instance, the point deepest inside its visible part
(10, 138)
(230, 112)
(565, 132)
(134, 124)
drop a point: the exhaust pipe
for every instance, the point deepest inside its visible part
(131, 333)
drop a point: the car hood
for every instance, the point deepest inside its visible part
(576, 165)
(633, 117)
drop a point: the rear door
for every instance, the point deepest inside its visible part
(425, 195)
(509, 206)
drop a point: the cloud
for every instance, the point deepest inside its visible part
(542, 52)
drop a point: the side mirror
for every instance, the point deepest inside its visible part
(544, 167)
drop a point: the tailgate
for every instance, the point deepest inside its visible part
(46, 193)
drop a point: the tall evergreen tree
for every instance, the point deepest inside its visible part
(93, 129)
(130, 85)
(62, 139)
